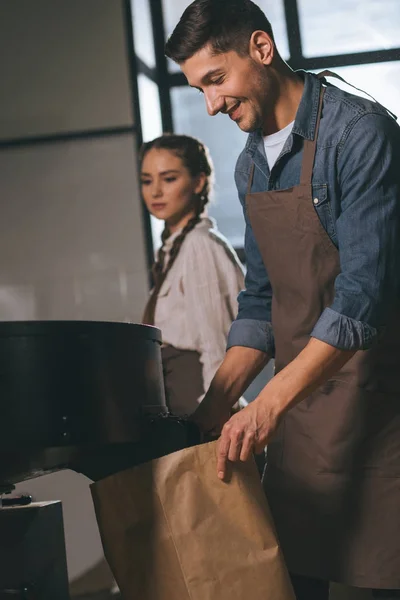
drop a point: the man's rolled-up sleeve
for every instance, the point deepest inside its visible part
(368, 231)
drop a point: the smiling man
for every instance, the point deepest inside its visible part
(319, 184)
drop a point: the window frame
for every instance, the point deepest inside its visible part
(166, 80)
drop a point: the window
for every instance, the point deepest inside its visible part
(143, 32)
(150, 117)
(348, 26)
(150, 114)
(341, 29)
(225, 142)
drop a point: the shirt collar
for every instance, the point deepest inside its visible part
(306, 116)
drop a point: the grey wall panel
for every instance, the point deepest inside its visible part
(71, 236)
(63, 67)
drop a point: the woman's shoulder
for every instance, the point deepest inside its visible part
(208, 231)
(207, 236)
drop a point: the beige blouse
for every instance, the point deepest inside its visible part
(198, 299)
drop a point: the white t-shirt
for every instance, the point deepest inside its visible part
(274, 143)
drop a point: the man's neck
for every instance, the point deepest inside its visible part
(289, 94)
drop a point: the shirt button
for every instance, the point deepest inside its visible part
(315, 200)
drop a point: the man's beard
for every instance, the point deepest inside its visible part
(250, 122)
(263, 95)
(254, 124)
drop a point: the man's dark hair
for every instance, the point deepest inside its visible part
(225, 24)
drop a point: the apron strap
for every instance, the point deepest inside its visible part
(150, 308)
(251, 177)
(328, 73)
(310, 147)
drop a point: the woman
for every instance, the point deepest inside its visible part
(197, 275)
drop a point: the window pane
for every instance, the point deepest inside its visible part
(276, 15)
(173, 10)
(150, 112)
(379, 79)
(347, 26)
(150, 116)
(143, 32)
(225, 141)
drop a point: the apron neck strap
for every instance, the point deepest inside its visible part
(328, 73)
(250, 179)
(150, 308)
(310, 146)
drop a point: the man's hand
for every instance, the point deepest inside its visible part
(250, 430)
(246, 432)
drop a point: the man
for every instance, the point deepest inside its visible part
(319, 184)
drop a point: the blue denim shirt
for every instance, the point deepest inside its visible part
(356, 191)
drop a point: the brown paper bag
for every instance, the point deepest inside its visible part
(172, 531)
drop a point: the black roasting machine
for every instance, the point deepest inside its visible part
(82, 395)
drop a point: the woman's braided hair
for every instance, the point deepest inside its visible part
(196, 159)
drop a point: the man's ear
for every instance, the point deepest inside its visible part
(261, 47)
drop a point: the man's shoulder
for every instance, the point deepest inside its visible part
(344, 108)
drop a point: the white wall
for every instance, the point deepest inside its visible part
(63, 66)
(71, 238)
(71, 242)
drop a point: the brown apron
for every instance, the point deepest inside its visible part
(183, 379)
(183, 374)
(333, 469)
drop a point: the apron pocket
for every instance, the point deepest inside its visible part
(378, 449)
(353, 429)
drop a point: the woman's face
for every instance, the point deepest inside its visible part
(168, 188)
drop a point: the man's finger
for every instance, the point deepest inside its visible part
(247, 446)
(223, 451)
(235, 445)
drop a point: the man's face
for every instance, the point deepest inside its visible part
(234, 85)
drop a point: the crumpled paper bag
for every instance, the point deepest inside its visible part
(171, 530)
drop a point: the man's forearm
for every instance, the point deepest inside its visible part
(238, 369)
(236, 372)
(317, 363)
